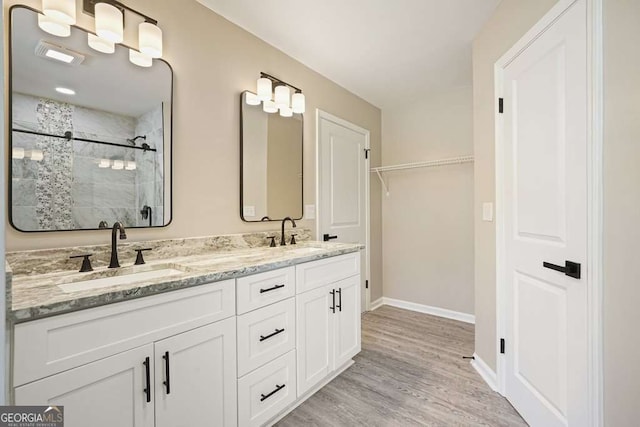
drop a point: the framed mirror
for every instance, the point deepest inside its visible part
(89, 132)
(270, 164)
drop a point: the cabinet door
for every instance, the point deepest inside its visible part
(314, 330)
(196, 377)
(347, 320)
(106, 393)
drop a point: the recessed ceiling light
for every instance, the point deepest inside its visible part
(54, 54)
(65, 91)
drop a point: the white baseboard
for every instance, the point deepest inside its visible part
(377, 303)
(427, 309)
(485, 372)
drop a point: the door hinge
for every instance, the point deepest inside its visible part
(501, 345)
(366, 152)
(501, 105)
(366, 284)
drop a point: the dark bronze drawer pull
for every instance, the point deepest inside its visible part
(147, 390)
(262, 338)
(262, 291)
(264, 397)
(166, 372)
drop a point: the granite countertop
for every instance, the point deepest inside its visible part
(39, 295)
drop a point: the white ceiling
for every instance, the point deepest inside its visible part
(385, 51)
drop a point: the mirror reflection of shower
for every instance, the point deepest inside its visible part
(147, 212)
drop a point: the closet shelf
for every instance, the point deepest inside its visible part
(416, 165)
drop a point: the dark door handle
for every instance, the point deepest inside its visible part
(273, 334)
(571, 269)
(339, 306)
(166, 372)
(147, 390)
(264, 397)
(262, 291)
(333, 295)
(327, 237)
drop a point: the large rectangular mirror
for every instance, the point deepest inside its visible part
(90, 133)
(270, 164)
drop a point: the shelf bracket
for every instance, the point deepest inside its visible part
(384, 184)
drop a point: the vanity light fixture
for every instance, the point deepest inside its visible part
(252, 99)
(104, 163)
(17, 153)
(118, 165)
(51, 26)
(62, 11)
(58, 15)
(36, 155)
(109, 22)
(140, 59)
(282, 98)
(100, 44)
(130, 166)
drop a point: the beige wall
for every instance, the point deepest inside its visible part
(214, 61)
(511, 19)
(621, 212)
(428, 216)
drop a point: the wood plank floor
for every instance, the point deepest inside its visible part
(410, 373)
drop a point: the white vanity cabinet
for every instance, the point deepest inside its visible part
(327, 317)
(164, 360)
(241, 352)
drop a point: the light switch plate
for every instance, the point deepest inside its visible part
(309, 211)
(487, 212)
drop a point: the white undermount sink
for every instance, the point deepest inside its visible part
(121, 279)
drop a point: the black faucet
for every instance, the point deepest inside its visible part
(282, 241)
(114, 246)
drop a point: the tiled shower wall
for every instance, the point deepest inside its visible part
(67, 189)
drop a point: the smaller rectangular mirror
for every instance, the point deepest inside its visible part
(270, 164)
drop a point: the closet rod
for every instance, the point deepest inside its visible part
(416, 165)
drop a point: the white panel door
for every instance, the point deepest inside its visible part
(343, 186)
(346, 320)
(314, 343)
(545, 208)
(106, 393)
(196, 377)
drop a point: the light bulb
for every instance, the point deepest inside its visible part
(17, 153)
(298, 103)
(281, 98)
(54, 27)
(62, 11)
(140, 59)
(109, 22)
(264, 89)
(37, 155)
(286, 112)
(251, 98)
(269, 107)
(100, 44)
(150, 40)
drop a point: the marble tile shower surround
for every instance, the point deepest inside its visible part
(55, 193)
(149, 176)
(28, 263)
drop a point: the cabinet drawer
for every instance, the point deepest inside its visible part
(313, 274)
(265, 288)
(265, 334)
(265, 392)
(48, 346)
